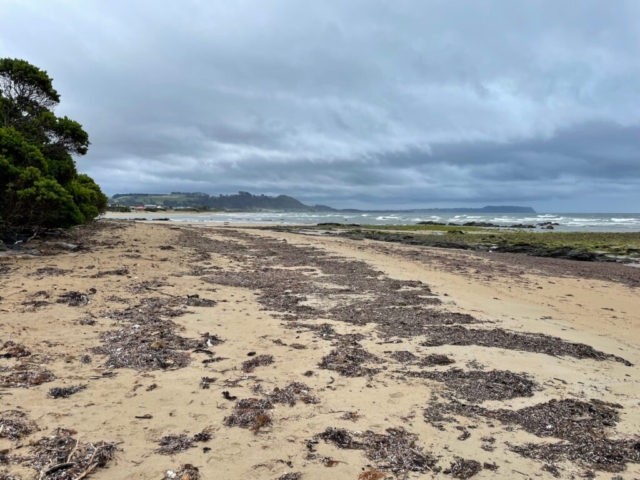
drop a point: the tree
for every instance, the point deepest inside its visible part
(39, 183)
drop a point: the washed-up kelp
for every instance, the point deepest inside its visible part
(249, 366)
(348, 361)
(74, 299)
(582, 426)
(11, 349)
(526, 342)
(65, 392)
(60, 456)
(186, 472)
(251, 413)
(291, 393)
(463, 469)
(174, 443)
(25, 376)
(478, 386)
(397, 451)
(15, 425)
(435, 359)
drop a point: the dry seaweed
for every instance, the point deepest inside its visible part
(403, 356)
(249, 366)
(462, 468)
(291, 476)
(117, 272)
(353, 416)
(74, 299)
(251, 413)
(206, 381)
(526, 342)
(186, 472)
(291, 393)
(348, 361)
(14, 350)
(62, 457)
(25, 376)
(479, 386)
(372, 474)
(15, 425)
(174, 443)
(65, 392)
(435, 359)
(397, 451)
(48, 271)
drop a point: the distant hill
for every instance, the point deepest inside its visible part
(245, 201)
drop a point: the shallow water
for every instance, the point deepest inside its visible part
(569, 222)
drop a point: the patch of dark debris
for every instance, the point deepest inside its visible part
(15, 425)
(290, 394)
(249, 366)
(74, 299)
(60, 456)
(107, 273)
(174, 443)
(526, 342)
(462, 468)
(185, 472)
(65, 392)
(25, 375)
(49, 272)
(435, 359)
(479, 386)
(349, 360)
(402, 356)
(11, 349)
(396, 451)
(582, 427)
(250, 413)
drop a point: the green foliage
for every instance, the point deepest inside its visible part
(39, 184)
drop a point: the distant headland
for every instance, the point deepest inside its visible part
(245, 201)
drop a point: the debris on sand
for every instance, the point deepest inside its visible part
(74, 299)
(251, 413)
(174, 443)
(49, 271)
(186, 471)
(353, 416)
(292, 392)
(12, 349)
(348, 361)
(582, 426)
(462, 468)
(62, 457)
(298, 346)
(196, 301)
(396, 451)
(65, 392)
(117, 272)
(435, 359)
(403, 356)
(25, 376)
(291, 476)
(478, 386)
(206, 381)
(526, 342)
(249, 366)
(373, 474)
(15, 425)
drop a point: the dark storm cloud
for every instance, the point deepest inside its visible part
(350, 102)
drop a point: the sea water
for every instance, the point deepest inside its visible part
(568, 222)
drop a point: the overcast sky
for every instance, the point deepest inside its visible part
(350, 103)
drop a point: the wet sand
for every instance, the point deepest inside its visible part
(351, 327)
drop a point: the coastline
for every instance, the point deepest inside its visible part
(271, 289)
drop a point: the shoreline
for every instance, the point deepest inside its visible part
(303, 300)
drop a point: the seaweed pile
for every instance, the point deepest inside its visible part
(435, 359)
(174, 443)
(15, 425)
(12, 349)
(397, 451)
(186, 472)
(526, 342)
(478, 386)
(251, 413)
(462, 468)
(582, 427)
(348, 361)
(291, 393)
(249, 366)
(65, 392)
(60, 456)
(25, 375)
(74, 299)
(150, 342)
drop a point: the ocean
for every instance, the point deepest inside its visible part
(568, 222)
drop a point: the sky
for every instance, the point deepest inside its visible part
(350, 103)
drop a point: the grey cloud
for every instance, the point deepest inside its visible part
(350, 102)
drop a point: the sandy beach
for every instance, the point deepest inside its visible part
(248, 353)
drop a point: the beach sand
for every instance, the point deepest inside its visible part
(272, 291)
